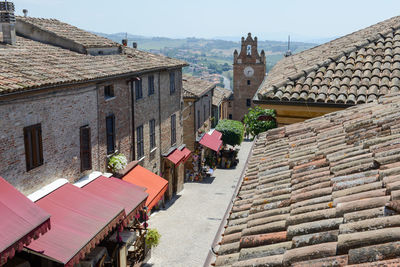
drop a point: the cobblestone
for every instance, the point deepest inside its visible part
(190, 222)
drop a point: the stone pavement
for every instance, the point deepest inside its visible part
(189, 223)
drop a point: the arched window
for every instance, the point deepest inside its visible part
(249, 50)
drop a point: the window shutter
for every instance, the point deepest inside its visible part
(40, 145)
(85, 147)
(28, 149)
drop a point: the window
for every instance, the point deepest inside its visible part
(172, 82)
(138, 89)
(151, 84)
(139, 141)
(110, 130)
(198, 119)
(230, 104)
(33, 146)
(108, 91)
(230, 116)
(248, 82)
(86, 153)
(248, 102)
(204, 113)
(152, 125)
(249, 50)
(173, 129)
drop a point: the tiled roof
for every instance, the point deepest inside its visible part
(314, 193)
(356, 68)
(195, 87)
(30, 64)
(220, 94)
(87, 39)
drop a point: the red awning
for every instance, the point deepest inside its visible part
(176, 157)
(155, 185)
(21, 220)
(186, 152)
(211, 141)
(79, 221)
(217, 134)
(127, 195)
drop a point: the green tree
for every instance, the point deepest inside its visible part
(232, 131)
(254, 125)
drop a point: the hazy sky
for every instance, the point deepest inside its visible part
(268, 19)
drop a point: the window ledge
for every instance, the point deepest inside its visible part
(109, 98)
(141, 159)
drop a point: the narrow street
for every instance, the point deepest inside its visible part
(188, 225)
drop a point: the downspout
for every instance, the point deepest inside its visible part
(159, 123)
(133, 119)
(98, 128)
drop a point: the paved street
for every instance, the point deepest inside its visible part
(189, 225)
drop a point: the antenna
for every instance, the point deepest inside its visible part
(288, 52)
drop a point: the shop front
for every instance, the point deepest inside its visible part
(21, 222)
(80, 221)
(173, 169)
(155, 185)
(205, 158)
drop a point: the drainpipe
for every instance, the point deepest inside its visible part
(159, 123)
(133, 119)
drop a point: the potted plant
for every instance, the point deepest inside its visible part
(152, 239)
(117, 162)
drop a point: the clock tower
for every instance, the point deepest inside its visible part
(248, 74)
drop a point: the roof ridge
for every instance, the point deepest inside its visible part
(357, 46)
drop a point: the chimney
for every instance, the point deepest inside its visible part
(134, 45)
(7, 22)
(124, 42)
(25, 11)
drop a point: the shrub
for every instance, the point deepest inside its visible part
(152, 238)
(232, 131)
(253, 125)
(117, 162)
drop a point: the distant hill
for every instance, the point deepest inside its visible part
(206, 56)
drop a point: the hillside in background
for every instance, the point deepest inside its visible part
(209, 58)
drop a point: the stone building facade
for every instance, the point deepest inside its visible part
(197, 96)
(77, 98)
(220, 105)
(60, 113)
(249, 69)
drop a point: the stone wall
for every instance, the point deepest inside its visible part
(243, 91)
(61, 113)
(170, 104)
(189, 132)
(146, 109)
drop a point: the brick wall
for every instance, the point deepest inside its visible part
(189, 132)
(61, 114)
(170, 104)
(120, 106)
(147, 108)
(243, 91)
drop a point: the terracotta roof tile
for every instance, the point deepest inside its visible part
(220, 94)
(357, 68)
(325, 201)
(30, 64)
(195, 87)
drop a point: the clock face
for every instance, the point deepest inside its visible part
(248, 71)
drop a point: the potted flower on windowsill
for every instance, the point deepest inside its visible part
(152, 239)
(117, 162)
